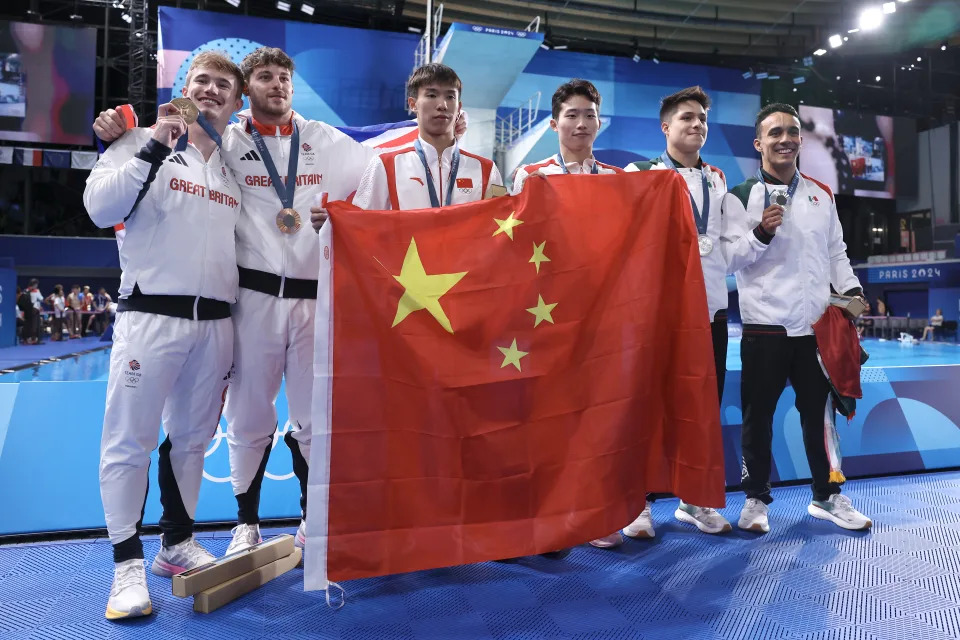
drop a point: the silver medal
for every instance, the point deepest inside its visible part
(705, 243)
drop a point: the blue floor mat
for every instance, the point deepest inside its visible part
(806, 579)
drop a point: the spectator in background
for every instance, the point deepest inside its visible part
(24, 313)
(933, 329)
(882, 308)
(59, 305)
(100, 306)
(36, 303)
(75, 311)
(863, 321)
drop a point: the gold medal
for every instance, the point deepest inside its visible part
(188, 110)
(288, 221)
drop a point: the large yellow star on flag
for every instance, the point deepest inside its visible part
(541, 312)
(538, 255)
(512, 355)
(423, 291)
(506, 226)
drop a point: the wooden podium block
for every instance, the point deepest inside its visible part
(236, 564)
(215, 597)
(853, 306)
(495, 191)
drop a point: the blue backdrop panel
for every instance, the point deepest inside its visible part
(49, 251)
(932, 285)
(8, 306)
(342, 76)
(49, 459)
(939, 274)
(908, 420)
(631, 94)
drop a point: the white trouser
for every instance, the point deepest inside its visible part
(160, 368)
(274, 342)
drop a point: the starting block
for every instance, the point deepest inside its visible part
(226, 579)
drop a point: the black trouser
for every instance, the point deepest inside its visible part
(718, 331)
(248, 502)
(770, 358)
(31, 323)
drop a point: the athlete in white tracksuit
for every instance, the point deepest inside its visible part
(173, 338)
(274, 315)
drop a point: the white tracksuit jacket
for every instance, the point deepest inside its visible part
(398, 180)
(173, 347)
(784, 280)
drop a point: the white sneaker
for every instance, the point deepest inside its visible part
(301, 538)
(839, 510)
(244, 537)
(180, 557)
(753, 516)
(704, 518)
(642, 527)
(608, 542)
(129, 597)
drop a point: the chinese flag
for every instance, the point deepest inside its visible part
(508, 377)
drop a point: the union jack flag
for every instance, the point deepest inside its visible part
(384, 136)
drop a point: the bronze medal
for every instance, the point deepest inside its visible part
(188, 111)
(288, 221)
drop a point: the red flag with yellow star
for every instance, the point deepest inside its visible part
(508, 377)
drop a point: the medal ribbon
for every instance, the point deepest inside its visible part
(563, 165)
(454, 167)
(790, 190)
(703, 219)
(208, 129)
(284, 190)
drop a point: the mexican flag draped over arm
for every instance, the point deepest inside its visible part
(507, 377)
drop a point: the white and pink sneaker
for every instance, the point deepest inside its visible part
(180, 557)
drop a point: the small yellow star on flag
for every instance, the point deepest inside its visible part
(538, 255)
(506, 226)
(422, 291)
(512, 355)
(541, 312)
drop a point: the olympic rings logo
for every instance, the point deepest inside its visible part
(220, 434)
